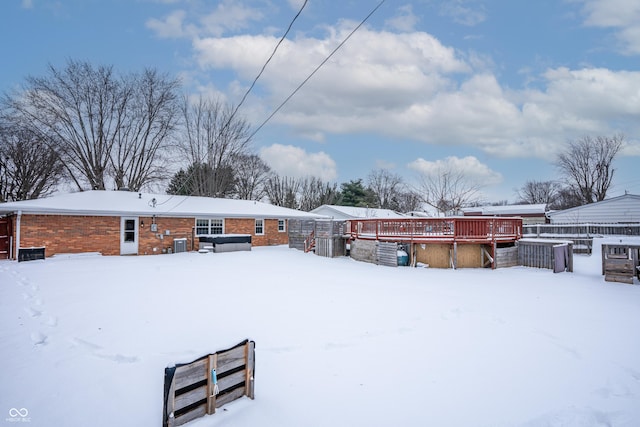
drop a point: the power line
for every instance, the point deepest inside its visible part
(366, 18)
(244, 97)
(316, 69)
(268, 60)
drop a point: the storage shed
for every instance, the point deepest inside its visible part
(622, 209)
(530, 214)
(353, 212)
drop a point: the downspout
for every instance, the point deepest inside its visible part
(18, 217)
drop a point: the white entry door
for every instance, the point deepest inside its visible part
(129, 236)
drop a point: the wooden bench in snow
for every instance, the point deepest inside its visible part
(192, 390)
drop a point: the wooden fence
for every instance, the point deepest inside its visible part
(190, 388)
(330, 247)
(580, 234)
(620, 262)
(506, 257)
(299, 231)
(380, 253)
(556, 255)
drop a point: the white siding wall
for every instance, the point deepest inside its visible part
(623, 209)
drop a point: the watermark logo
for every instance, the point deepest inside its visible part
(17, 415)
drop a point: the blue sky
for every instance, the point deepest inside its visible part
(493, 87)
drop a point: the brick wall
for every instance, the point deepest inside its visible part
(157, 242)
(71, 234)
(271, 234)
(77, 234)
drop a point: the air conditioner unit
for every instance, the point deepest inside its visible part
(179, 245)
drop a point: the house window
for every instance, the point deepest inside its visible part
(209, 226)
(282, 225)
(259, 226)
(217, 226)
(129, 230)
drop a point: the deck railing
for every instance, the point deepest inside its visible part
(455, 229)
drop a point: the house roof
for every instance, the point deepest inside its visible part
(119, 203)
(356, 212)
(511, 210)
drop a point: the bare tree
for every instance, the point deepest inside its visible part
(251, 174)
(137, 157)
(29, 168)
(108, 129)
(448, 190)
(385, 186)
(283, 191)
(212, 135)
(314, 193)
(539, 192)
(407, 201)
(567, 198)
(79, 110)
(587, 165)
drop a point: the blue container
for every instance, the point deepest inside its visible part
(403, 258)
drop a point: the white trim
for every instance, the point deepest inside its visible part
(256, 226)
(284, 225)
(209, 226)
(129, 247)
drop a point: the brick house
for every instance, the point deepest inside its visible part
(128, 223)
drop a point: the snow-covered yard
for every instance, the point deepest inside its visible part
(85, 340)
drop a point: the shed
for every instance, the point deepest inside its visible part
(530, 214)
(623, 209)
(355, 212)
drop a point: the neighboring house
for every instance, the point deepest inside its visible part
(530, 214)
(123, 222)
(622, 210)
(352, 212)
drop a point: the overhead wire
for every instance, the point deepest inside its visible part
(316, 69)
(297, 89)
(244, 97)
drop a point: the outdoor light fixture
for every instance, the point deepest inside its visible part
(142, 224)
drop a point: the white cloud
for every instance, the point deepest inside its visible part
(631, 148)
(291, 161)
(375, 70)
(27, 4)
(470, 166)
(406, 86)
(296, 4)
(464, 12)
(228, 16)
(410, 86)
(404, 21)
(621, 15)
(170, 27)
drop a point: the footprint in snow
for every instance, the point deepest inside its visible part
(32, 312)
(38, 338)
(52, 321)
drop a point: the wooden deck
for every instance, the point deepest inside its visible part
(479, 230)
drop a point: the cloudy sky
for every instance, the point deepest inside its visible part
(493, 87)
